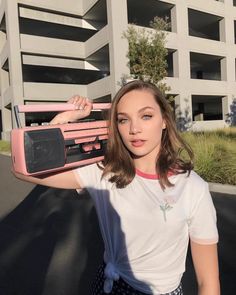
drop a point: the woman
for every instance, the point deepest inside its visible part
(148, 199)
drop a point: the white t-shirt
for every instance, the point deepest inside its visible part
(146, 230)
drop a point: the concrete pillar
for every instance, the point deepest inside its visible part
(230, 59)
(183, 111)
(118, 46)
(182, 30)
(15, 66)
(230, 41)
(173, 20)
(223, 69)
(226, 103)
(181, 64)
(222, 30)
(4, 78)
(175, 64)
(5, 109)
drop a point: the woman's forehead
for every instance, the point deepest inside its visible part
(137, 99)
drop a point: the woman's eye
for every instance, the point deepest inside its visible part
(147, 117)
(122, 120)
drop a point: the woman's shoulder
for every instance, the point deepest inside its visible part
(89, 175)
(191, 187)
(90, 170)
(194, 176)
(196, 183)
(192, 179)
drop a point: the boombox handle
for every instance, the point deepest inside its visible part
(62, 107)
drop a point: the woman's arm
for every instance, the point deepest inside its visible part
(65, 179)
(83, 109)
(205, 260)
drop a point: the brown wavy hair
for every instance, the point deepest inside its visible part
(118, 162)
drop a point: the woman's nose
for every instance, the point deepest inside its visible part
(134, 128)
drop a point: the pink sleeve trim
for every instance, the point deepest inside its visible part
(205, 241)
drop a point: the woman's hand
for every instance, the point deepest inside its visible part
(83, 109)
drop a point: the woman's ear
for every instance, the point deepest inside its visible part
(164, 125)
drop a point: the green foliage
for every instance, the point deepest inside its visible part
(5, 146)
(215, 154)
(147, 53)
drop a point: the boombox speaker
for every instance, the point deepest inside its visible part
(50, 148)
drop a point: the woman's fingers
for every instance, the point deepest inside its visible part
(83, 107)
(81, 102)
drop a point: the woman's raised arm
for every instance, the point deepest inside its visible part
(64, 179)
(83, 109)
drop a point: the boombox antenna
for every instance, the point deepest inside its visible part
(16, 112)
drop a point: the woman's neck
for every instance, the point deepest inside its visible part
(148, 167)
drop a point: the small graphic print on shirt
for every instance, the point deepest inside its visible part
(166, 206)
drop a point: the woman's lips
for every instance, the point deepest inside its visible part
(137, 143)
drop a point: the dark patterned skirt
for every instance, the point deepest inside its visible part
(120, 287)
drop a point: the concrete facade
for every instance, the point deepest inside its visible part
(53, 49)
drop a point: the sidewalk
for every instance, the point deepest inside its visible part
(222, 188)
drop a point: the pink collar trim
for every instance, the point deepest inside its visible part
(150, 176)
(147, 175)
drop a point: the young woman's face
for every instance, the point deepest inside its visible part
(140, 124)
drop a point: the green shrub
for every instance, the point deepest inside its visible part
(5, 146)
(215, 154)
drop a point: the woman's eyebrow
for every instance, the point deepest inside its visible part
(146, 108)
(122, 114)
(139, 111)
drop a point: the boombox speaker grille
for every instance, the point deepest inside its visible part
(44, 149)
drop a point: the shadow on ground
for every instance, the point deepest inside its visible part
(50, 244)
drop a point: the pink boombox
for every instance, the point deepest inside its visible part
(49, 148)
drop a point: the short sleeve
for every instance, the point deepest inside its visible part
(202, 221)
(88, 176)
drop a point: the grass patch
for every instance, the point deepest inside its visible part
(5, 147)
(215, 154)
